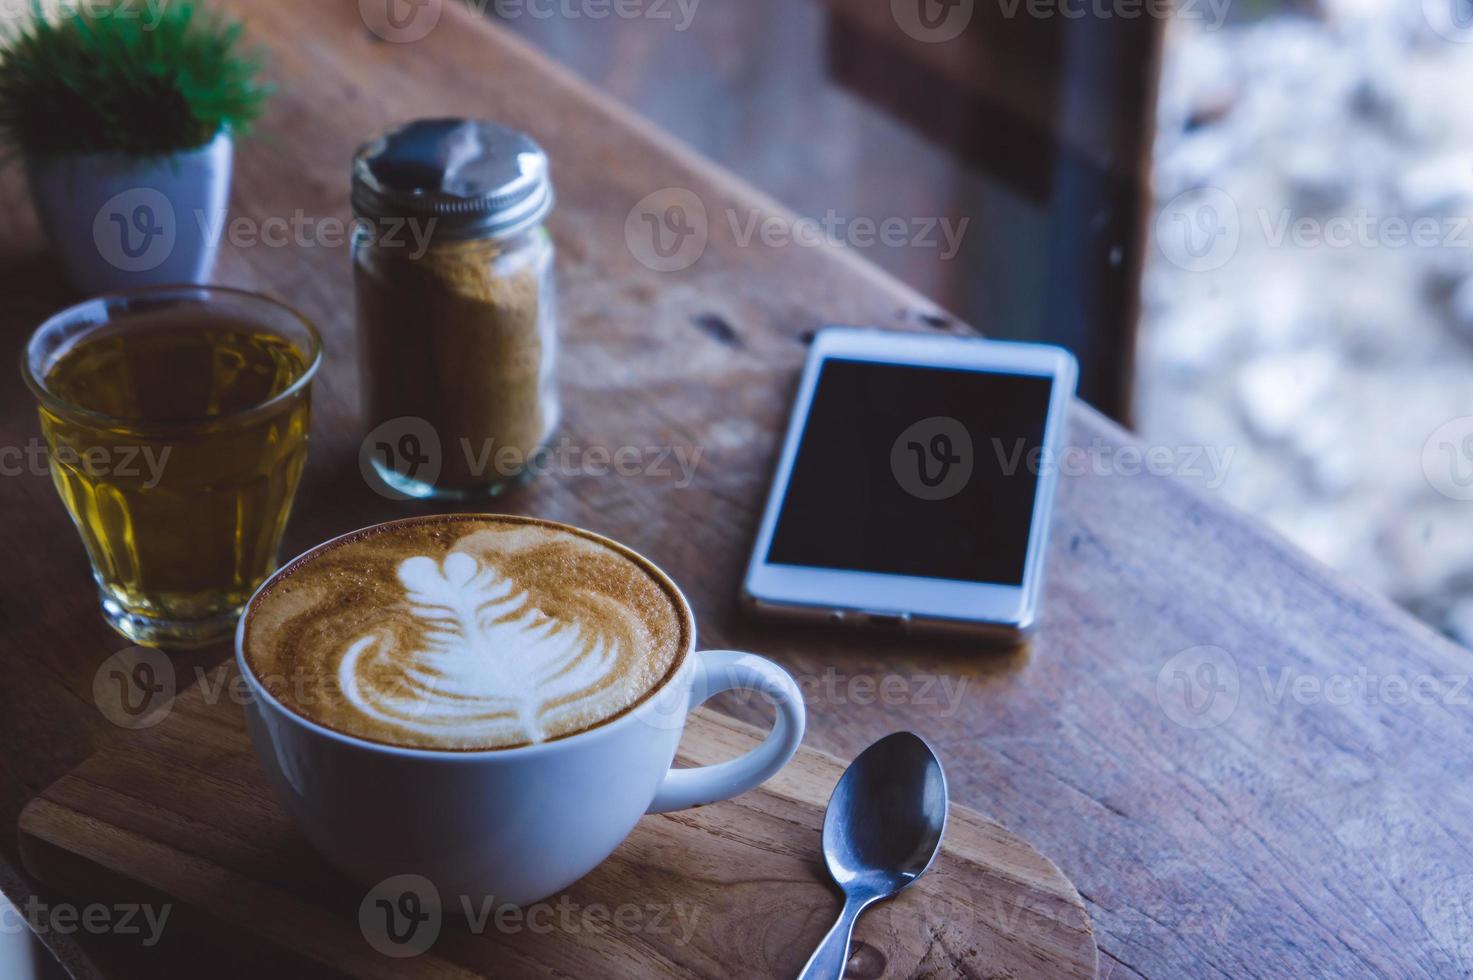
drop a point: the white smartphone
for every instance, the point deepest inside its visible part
(915, 484)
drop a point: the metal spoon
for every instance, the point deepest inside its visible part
(881, 832)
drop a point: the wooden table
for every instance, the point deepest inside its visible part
(1314, 830)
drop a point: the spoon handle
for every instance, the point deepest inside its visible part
(831, 956)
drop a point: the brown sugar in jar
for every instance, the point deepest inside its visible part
(457, 322)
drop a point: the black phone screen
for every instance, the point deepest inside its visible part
(918, 471)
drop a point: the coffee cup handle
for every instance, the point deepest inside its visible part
(727, 670)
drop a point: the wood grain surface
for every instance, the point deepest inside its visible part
(735, 889)
(1309, 820)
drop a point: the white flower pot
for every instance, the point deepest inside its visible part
(119, 222)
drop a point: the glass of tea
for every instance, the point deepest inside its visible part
(176, 426)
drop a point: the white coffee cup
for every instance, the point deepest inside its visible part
(515, 825)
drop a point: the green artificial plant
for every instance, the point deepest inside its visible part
(125, 77)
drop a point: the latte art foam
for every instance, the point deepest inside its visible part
(485, 652)
(466, 633)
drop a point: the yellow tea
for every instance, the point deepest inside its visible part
(177, 438)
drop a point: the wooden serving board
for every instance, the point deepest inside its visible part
(735, 889)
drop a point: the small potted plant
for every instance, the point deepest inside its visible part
(125, 116)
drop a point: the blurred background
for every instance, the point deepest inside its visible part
(1250, 219)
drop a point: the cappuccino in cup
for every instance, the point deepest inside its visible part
(488, 702)
(466, 633)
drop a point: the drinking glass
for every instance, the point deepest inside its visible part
(176, 425)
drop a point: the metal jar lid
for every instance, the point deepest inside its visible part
(473, 179)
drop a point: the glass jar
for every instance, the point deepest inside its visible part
(456, 313)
